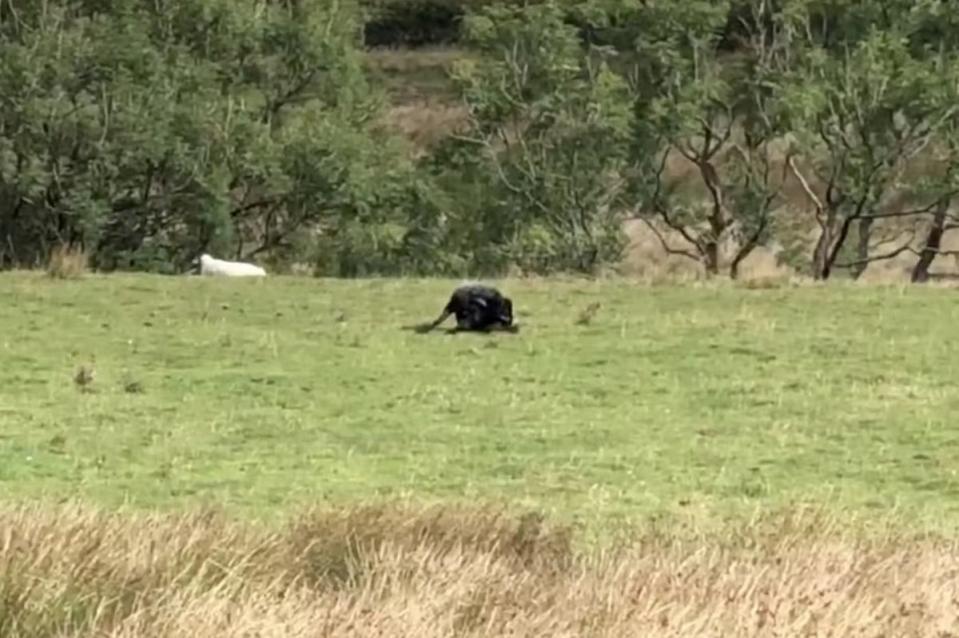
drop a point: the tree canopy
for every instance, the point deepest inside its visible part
(147, 132)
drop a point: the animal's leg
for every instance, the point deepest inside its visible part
(474, 318)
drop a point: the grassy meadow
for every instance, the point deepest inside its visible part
(280, 458)
(703, 401)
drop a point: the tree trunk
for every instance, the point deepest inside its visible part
(920, 273)
(711, 257)
(734, 269)
(718, 220)
(745, 251)
(820, 256)
(830, 242)
(862, 247)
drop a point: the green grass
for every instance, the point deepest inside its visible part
(704, 401)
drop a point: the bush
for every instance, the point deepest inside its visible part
(209, 138)
(548, 124)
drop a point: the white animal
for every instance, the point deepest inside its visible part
(212, 266)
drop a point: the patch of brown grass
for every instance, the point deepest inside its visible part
(67, 262)
(401, 60)
(425, 123)
(423, 572)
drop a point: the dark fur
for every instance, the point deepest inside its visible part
(477, 308)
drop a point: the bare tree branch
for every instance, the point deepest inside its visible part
(269, 201)
(810, 193)
(940, 252)
(748, 246)
(669, 249)
(273, 106)
(681, 229)
(907, 247)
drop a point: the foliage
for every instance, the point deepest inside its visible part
(859, 117)
(720, 115)
(145, 131)
(232, 129)
(549, 121)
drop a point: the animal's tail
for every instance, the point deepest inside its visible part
(420, 328)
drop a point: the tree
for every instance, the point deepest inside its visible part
(938, 187)
(148, 131)
(720, 114)
(861, 115)
(548, 122)
(934, 39)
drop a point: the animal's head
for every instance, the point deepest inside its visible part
(506, 313)
(197, 263)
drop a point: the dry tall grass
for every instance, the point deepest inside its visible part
(74, 571)
(67, 262)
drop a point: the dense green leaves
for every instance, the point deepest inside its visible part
(147, 131)
(860, 117)
(549, 123)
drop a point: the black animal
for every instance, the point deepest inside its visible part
(477, 308)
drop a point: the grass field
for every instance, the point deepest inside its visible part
(781, 455)
(703, 402)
